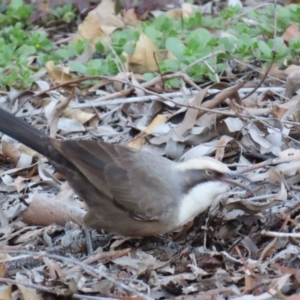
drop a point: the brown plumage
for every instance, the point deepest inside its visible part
(129, 192)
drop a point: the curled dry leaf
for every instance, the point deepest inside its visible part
(145, 57)
(5, 290)
(29, 234)
(9, 149)
(77, 114)
(99, 24)
(200, 150)
(286, 109)
(54, 270)
(292, 84)
(234, 124)
(186, 11)
(54, 110)
(286, 169)
(224, 140)
(282, 194)
(251, 207)
(57, 74)
(190, 116)
(291, 32)
(139, 140)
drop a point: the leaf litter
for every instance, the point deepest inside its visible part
(236, 250)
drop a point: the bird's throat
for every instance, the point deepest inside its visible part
(199, 198)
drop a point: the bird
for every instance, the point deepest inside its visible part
(130, 192)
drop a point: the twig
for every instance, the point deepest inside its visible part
(280, 234)
(266, 163)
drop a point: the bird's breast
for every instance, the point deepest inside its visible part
(199, 198)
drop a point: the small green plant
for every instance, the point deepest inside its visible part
(15, 12)
(66, 13)
(24, 50)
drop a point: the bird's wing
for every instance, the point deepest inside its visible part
(134, 180)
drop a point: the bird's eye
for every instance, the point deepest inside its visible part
(208, 172)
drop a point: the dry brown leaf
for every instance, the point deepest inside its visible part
(145, 57)
(200, 150)
(158, 120)
(282, 193)
(29, 234)
(290, 69)
(289, 168)
(24, 161)
(229, 126)
(186, 11)
(77, 114)
(249, 282)
(57, 74)
(10, 150)
(251, 207)
(190, 116)
(139, 92)
(259, 137)
(5, 291)
(130, 17)
(292, 84)
(139, 140)
(291, 32)
(275, 71)
(286, 169)
(54, 270)
(286, 109)
(224, 140)
(99, 23)
(27, 150)
(54, 110)
(19, 183)
(122, 76)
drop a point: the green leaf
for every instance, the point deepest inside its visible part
(265, 50)
(229, 43)
(66, 53)
(176, 47)
(25, 50)
(15, 4)
(149, 76)
(77, 67)
(129, 48)
(172, 65)
(199, 36)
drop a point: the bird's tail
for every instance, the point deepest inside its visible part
(23, 132)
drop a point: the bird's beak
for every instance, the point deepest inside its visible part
(229, 178)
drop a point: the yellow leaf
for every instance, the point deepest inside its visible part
(145, 57)
(57, 74)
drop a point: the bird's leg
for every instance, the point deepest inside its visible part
(89, 244)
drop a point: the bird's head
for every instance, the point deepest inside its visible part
(207, 169)
(205, 178)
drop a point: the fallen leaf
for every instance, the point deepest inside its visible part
(145, 57)
(57, 74)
